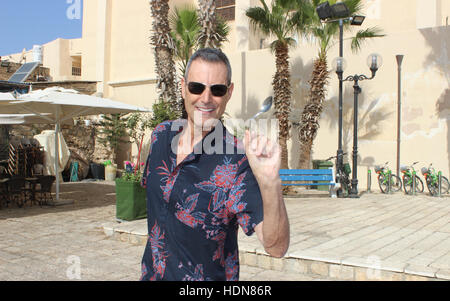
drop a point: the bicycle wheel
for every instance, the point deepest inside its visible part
(382, 182)
(407, 184)
(419, 184)
(432, 187)
(396, 183)
(444, 185)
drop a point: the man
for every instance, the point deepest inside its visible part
(195, 199)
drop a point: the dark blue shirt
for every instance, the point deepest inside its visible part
(194, 209)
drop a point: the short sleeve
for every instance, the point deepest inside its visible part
(246, 200)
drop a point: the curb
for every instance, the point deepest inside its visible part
(313, 264)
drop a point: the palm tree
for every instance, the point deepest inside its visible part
(324, 34)
(185, 33)
(283, 21)
(161, 40)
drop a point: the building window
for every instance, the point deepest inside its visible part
(226, 9)
(76, 71)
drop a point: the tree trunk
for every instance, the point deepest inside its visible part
(282, 99)
(207, 16)
(164, 46)
(284, 152)
(310, 118)
(305, 155)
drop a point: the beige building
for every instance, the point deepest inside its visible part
(114, 51)
(61, 56)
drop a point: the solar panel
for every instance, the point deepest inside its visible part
(23, 72)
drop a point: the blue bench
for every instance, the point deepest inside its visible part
(304, 177)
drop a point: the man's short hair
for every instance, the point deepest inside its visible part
(211, 55)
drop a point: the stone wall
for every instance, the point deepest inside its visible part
(7, 71)
(84, 87)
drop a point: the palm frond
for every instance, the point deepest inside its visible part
(362, 35)
(316, 2)
(303, 17)
(287, 41)
(258, 18)
(185, 31)
(283, 18)
(354, 6)
(222, 30)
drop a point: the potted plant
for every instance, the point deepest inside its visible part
(130, 195)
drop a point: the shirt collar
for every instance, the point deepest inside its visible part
(201, 147)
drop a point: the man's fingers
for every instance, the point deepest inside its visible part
(259, 145)
(272, 146)
(262, 147)
(246, 139)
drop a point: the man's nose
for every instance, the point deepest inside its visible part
(206, 95)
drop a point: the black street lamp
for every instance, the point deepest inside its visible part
(374, 61)
(339, 12)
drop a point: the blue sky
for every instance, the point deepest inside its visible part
(24, 23)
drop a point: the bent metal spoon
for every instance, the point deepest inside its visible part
(267, 104)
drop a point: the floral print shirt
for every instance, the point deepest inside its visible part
(194, 209)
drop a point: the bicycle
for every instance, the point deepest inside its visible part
(342, 177)
(408, 172)
(432, 180)
(386, 183)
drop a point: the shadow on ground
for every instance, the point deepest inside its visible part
(85, 195)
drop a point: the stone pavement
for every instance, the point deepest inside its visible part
(375, 237)
(68, 242)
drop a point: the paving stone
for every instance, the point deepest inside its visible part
(391, 276)
(264, 262)
(277, 264)
(409, 277)
(319, 268)
(421, 270)
(294, 265)
(251, 259)
(443, 274)
(361, 275)
(341, 272)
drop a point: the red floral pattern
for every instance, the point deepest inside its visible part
(194, 210)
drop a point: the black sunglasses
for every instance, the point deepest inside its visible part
(216, 90)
